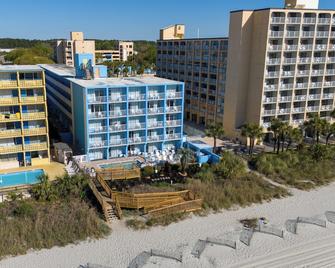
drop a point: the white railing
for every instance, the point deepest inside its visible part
(319, 59)
(322, 34)
(284, 111)
(291, 47)
(328, 96)
(172, 136)
(286, 86)
(273, 61)
(309, 20)
(272, 74)
(305, 60)
(285, 98)
(303, 73)
(307, 34)
(306, 47)
(136, 140)
(117, 141)
(270, 87)
(155, 124)
(269, 112)
(155, 138)
(314, 97)
(118, 127)
(276, 33)
(270, 100)
(155, 110)
(171, 123)
(301, 85)
(136, 97)
(97, 115)
(97, 144)
(292, 34)
(330, 71)
(315, 84)
(324, 20)
(290, 60)
(97, 129)
(327, 107)
(297, 121)
(96, 99)
(172, 109)
(288, 73)
(300, 97)
(329, 83)
(135, 125)
(293, 20)
(117, 98)
(117, 113)
(298, 109)
(331, 59)
(275, 48)
(317, 72)
(155, 96)
(312, 108)
(173, 95)
(138, 111)
(320, 47)
(278, 20)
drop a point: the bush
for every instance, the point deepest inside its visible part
(147, 171)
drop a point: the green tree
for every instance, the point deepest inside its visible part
(315, 126)
(328, 130)
(44, 190)
(275, 127)
(215, 130)
(253, 132)
(186, 156)
(294, 135)
(229, 167)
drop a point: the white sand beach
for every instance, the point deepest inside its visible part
(313, 246)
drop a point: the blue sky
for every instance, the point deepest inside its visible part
(121, 19)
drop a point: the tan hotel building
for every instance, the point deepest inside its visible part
(281, 64)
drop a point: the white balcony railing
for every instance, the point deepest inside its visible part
(136, 97)
(155, 96)
(97, 129)
(96, 99)
(269, 112)
(136, 125)
(173, 136)
(300, 97)
(117, 98)
(173, 109)
(117, 113)
(314, 96)
(293, 20)
(154, 138)
(155, 124)
(171, 123)
(306, 47)
(155, 110)
(284, 111)
(312, 108)
(276, 34)
(117, 127)
(285, 98)
(98, 143)
(307, 34)
(328, 96)
(292, 34)
(136, 140)
(117, 141)
(97, 115)
(298, 109)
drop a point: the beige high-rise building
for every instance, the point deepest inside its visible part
(66, 49)
(281, 64)
(176, 31)
(126, 49)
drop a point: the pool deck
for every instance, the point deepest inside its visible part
(54, 169)
(96, 164)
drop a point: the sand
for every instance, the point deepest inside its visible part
(313, 246)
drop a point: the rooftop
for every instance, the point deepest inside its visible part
(69, 72)
(19, 68)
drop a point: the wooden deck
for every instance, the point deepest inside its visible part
(120, 173)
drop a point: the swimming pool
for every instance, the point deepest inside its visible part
(20, 178)
(125, 165)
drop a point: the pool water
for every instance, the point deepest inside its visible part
(20, 178)
(125, 165)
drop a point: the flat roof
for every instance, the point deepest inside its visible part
(124, 81)
(69, 73)
(284, 9)
(193, 39)
(59, 69)
(19, 68)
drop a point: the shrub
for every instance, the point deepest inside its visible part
(147, 171)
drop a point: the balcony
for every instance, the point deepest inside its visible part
(272, 74)
(284, 111)
(136, 97)
(319, 60)
(322, 34)
(293, 20)
(118, 127)
(96, 99)
(292, 34)
(8, 84)
(173, 109)
(331, 60)
(285, 99)
(173, 123)
(31, 83)
(276, 34)
(307, 34)
(320, 47)
(298, 110)
(329, 83)
(300, 97)
(315, 84)
(34, 131)
(117, 98)
(306, 47)
(11, 149)
(97, 143)
(297, 122)
(290, 60)
(155, 96)
(157, 110)
(9, 101)
(312, 108)
(136, 125)
(97, 129)
(327, 108)
(95, 115)
(8, 133)
(317, 72)
(115, 141)
(274, 61)
(288, 73)
(275, 48)
(270, 100)
(136, 111)
(314, 97)
(155, 124)
(117, 113)
(176, 95)
(269, 112)
(303, 73)
(291, 47)
(309, 20)
(270, 87)
(324, 20)
(134, 140)
(301, 85)
(278, 20)
(174, 136)
(10, 117)
(330, 71)
(155, 138)
(30, 100)
(286, 86)
(33, 115)
(41, 146)
(304, 60)
(328, 96)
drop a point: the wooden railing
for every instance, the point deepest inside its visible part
(120, 173)
(8, 84)
(36, 115)
(10, 133)
(31, 83)
(118, 208)
(9, 101)
(36, 146)
(32, 99)
(9, 117)
(34, 131)
(10, 149)
(104, 185)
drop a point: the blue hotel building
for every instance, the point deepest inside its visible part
(115, 117)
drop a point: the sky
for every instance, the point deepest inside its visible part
(122, 19)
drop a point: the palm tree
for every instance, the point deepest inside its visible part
(215, 131)
(186, 156)
(283, 132)
(294, 135)
(253, 132)
(332, 114)
(275, 129)
(44, 190)
(315, 125)
(328, 130)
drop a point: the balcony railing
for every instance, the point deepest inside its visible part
(173, 95)
(297, 122)
(33, 115)
(34, 99)
(303, 73)
(284, 111)
(293, 20)
(270, 100)
(156, 110)
(171, 123)
(269, 112)
(118, 127)
(154, 138)
(117, 113)
(9, 101)
(275, 48)
(117, 98)
(117, 141)
(272, 74)
(136, 140)
(34, 131)
(314, 96)
(96, 99)
(274, 61)
(328, 96)
(301, 85)
(327, 108)
(304, 60)
(306, 47)
(36, 146)
(9, 117)
(8, 84)
(7, 133)
(8, 149)
(278, 20)
(322, 34)
(286, 86)
(155, 124)
(276, 34)
(324, 20)
(285, 98)
(300, 97)
(309, 20)
(155, 96)
(94, 115)
(136, 125)
(319, 59)
(298, 110)
(317, 72)
(136, 97)
(290, 60)
(320, 47)
(315, 84)
(329, 83)
(288, 73)
(312, 108)
(139, 111)
(307, 34)
(97, 129)
(173, 109)
(292, 34)
(97, 143)
(172, 136)
(291, 47)
(330, 71)
(270, 87)
(31, 83)
(331, 59)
